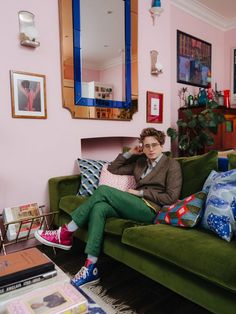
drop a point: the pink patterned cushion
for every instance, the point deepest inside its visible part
(120, 182)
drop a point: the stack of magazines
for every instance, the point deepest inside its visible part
(55, 298)
(27, 214)
(22, 268)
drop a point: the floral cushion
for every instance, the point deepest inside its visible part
(121, 182)
(220, 212)
(90, 172)
(184, 213)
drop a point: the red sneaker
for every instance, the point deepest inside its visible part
(61, 238)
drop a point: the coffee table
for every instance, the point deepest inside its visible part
(61, 277)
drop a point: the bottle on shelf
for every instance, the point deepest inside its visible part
(190, 100)
(227, 98)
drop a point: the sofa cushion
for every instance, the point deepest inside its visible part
(220, 212)
(71, 202)
(184, 213)
(195, 250)
(120, 182)
(90, 172)
(232, 161)
(116, 226)
(195, 170)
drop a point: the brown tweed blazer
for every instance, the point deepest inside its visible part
(161, 186)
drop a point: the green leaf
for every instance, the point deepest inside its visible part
(183, 142)
(181, 124)
(188, 113)
(192, 124)
(172, 133)
(212, 124)
(212, 104)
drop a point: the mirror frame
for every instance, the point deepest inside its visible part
(93, 102)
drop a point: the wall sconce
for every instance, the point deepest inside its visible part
(155, 10)
(28, 32)
(156, 67)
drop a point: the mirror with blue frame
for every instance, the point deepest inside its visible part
(99, 58)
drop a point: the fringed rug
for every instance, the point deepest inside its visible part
(124, 290)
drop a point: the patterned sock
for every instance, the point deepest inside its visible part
(72, 226)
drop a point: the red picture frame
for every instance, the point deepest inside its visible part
(154, 107)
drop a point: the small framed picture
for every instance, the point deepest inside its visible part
(154, 107)
(28, 94)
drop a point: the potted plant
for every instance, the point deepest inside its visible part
(195, 131)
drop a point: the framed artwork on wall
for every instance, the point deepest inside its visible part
(28, 95)
(193, 60)
(233, 76)
(154, 107)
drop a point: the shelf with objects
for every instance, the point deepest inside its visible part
(22, 229)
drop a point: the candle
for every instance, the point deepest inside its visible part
(156, 3)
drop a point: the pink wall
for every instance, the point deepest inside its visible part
(90, 75)
(34, 150)
(115, 76)
(196, 27)
(230, 42)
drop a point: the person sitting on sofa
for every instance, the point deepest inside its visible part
(158, 182)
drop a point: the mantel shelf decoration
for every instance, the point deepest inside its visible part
(156, 67)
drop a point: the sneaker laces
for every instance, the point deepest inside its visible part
(82, 273)
(52, 232)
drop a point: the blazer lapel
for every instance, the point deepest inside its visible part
(156, 169)
(140, 170)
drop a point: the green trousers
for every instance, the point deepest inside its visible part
(108, 202)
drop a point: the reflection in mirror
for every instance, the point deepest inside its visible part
(99, 73)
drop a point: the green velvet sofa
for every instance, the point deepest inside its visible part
(192, 262)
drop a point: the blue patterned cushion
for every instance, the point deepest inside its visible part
(184, 213)
(90, 172)
(220, 212)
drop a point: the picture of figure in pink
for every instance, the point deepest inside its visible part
(29, 95)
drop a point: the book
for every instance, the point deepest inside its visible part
(59, 298)
(27, 281)
(24, 213)
(23, 264)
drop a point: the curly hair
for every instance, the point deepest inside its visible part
(159, 135)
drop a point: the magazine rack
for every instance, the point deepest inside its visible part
(45, 219)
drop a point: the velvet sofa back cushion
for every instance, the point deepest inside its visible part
(195, 171)
(232, 161)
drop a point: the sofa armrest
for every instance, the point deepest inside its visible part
(62, 186)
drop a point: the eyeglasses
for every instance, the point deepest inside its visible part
(152, 145)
